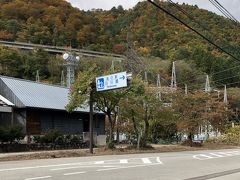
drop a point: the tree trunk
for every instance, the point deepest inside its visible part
(111, 128)
(146, 129)
(137, 133)
(134, 124)
(190, 138)
(117, 127)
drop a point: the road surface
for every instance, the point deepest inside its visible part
(194, 165)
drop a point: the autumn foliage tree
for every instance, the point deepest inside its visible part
(200, 109)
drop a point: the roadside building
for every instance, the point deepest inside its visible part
(38, 107)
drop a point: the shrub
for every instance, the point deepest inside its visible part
(232, 137)
(76, 140)
(11, 134)
(51, 136)
(111, 145)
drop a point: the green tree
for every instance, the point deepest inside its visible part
(104, 101)
(10, 62)
(190, 109)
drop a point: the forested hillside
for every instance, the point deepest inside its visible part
(152, 32)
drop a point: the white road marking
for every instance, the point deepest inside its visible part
(76, 167)
(216, 154)
(125, 167)
(235, 152)
(74, 173)
(123, 161)
(107, 162)
(230, 153)
(43, 177)
(202, 157)
(146, 161)
(99, 162)
(37, 167)
(158, 160)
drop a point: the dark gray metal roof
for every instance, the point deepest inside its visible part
(39, 95)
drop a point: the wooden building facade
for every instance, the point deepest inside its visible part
(38, 107)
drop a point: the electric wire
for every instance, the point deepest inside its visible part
(204, 76)
(208, 40)
(187, 14)
(227, 84)
(227, 11)
(193, 19)
(226, 78)
(223, 10)
(197, 22)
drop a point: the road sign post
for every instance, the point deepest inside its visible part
(113, 81)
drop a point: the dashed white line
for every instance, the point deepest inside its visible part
(99, 162)
(43, 177)
(146, 161)
(158, 160)
(216, 154)
(74, 173)
(37, 167)
(123, 161)
(142, 165)
(76, 167)
(227, 153)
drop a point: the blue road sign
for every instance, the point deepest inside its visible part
(111, 81)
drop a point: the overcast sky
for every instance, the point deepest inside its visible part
(233, 6)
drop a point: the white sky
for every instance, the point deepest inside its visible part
(233, 6)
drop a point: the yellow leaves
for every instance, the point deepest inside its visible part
(144, 50)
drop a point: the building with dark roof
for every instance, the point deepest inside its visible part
(38, 107)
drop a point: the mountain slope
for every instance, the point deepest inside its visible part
(152, 32)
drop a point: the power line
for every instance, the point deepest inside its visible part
(197, 22)
(199, 78)
(187, 14)
(236, 82)
(208, 40)
(225, 70)
(222, 9)
(226, 78)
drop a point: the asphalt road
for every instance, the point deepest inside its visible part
(195, 165)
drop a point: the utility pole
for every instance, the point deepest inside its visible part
(207, 85)
(135, 63)
(174, 79)
(145, 77)
(117, 122)
(186, 89)
(91, 119)
(37, 76)
(62, 78)
(159, 96)
(112, 66)
(225, 100)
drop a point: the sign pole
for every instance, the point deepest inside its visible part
(91, 122)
